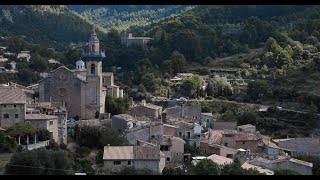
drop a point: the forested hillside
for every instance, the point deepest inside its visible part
(121, 17)
(51, 26)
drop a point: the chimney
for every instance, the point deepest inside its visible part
(108, 145)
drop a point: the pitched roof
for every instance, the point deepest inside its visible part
(246, 126)
(260, 169)
(91, 123)
(12, 95)
(246, 137)
(131, 152)
(220, 159)
(118, 152)
(184, 124)
(125, 117)
(39, 117)
(310, 145)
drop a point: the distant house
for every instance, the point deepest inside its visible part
(45, 122)
(303, 167)
(24, 55)
(170, 130)
(146, 109)
(144, 133)
(2, 59)
(190, 132)
(139, 157)
(300, 146)
(206, 120)
(221, 125)
(122, 122)
(210, 149)
(260, 169)
(220, 160)
(193, 112)
(247, 128)
(127, 40)
(173, 149)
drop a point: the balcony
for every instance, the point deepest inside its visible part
(36, 145)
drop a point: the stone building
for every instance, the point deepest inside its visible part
(247, 128)
(127, 39)
(139, 157)
(82, 90)
(12, 106)
(44, 121)
(173, 149)
(145, 132)
(146, 109)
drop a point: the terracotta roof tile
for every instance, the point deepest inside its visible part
(12, 95)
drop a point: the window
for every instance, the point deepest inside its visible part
(225, 144)
(168, 159)
(28, 122)
(14, 105)
(51, 122)
(205, 150)
(229, 156)
(164, 148)
(4, 106)
(16, 116)
(93, 48)
(5, 116)
(189, 135)
(243, 142)
(180, 134)
(228, 135)
(117, 163)
(51, 134)
(93, 68)
(129, 163)
(208, 120)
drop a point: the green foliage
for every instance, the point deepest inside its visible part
(172, 171)
(219, 86)
(21, 130)
(207, 167)
(286, 172)
(40, 162)
(116, 105)
(43, 134)
(8, 144)
(190, 86)
(111, 137)
(82, 151)
(178, 62)
(99, 157)
(83, 166)
(96, 138)
(257, 89)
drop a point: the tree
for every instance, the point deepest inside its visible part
(189, 86)
(179, 63)
(40, 162)
(207, 167)
(82, 151)
(38, 63)
(286, 172)
(8, 144)
(172, 171)
(257, 89)
(99, 157)
(108, 136)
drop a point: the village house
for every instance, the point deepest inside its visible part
(299, 146)
(146, 110)
(24, 55)
(247, 128)
(44, 121)
(170, 130)
(122, 122)
(127, 39)
(139, 157)
(210, 149)
(220, 125)
(193, 112)
(233, 139)
(144, 133)
(260, 169)
(207, 120)
(12, 106)
(190, 132)
(173, 149)
(283, 162)
(220, 160)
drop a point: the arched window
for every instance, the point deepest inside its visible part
(93, 68)
(92, 50)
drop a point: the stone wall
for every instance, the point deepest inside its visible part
(12, 110)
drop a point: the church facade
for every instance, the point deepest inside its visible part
(84, 89)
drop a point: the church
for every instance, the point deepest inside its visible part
(83, 90)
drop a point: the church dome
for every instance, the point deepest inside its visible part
(80, 64)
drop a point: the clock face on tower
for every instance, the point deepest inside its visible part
(62, 92)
